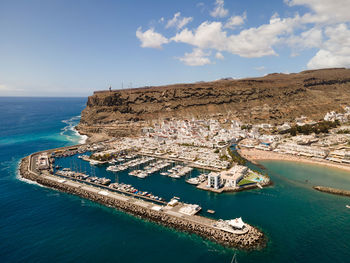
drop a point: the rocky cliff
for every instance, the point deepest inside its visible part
(274, 98)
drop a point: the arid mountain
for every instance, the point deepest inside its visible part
(275, 98)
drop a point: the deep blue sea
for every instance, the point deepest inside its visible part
(38, 224)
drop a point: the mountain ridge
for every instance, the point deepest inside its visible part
(274, 98)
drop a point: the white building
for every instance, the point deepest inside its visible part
(236, 174)
(214, 180)
(296, 149)
(43, 162)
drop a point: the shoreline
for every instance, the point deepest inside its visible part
(254, 156)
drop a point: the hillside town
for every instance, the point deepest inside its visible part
(174, 147)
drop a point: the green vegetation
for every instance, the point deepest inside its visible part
(224, 157)
(244, 182)
(345, 131)
(236, 157)
(246, 127)
(217, 151)
(320, 127)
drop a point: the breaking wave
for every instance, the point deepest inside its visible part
(71, 133)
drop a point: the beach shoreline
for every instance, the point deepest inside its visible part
(254, 156)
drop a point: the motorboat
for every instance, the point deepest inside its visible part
(194, 181)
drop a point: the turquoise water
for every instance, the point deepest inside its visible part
(40, 225)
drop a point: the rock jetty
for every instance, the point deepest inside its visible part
(330, 190)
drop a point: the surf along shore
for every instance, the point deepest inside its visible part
(205, 227)
(254, 156)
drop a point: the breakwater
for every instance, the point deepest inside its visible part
(330, 190)
(252, 239)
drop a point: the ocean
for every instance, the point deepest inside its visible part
(38, 224)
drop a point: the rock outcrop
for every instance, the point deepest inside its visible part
(274, 98)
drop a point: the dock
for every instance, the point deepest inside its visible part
(188, 163)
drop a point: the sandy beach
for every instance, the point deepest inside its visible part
(255, 156)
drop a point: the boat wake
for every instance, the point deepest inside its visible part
(71, 133)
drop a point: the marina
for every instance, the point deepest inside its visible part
(173, 213)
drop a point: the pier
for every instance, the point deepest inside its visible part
(190, 164)
(159, 212)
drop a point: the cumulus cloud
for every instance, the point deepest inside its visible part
(324, 11)
(178, 21)
(196, 58)
(219, 10)
(335, 52)
(252, 42)
(324, 26)
(234, 21)
(219, 55)
(311, 38)
(150, 38)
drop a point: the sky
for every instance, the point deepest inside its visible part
(72, 48)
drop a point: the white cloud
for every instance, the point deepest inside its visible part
(197, 58)
(178, 21)
(151, 39)
(335, 52)
(324, 26)
(324, 11)
(219, 55)
(219, 10)
(252, 42)
(234, 21)
(311, 38)
(207, 35)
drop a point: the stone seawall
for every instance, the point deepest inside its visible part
(253, 239)
(332, 190)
